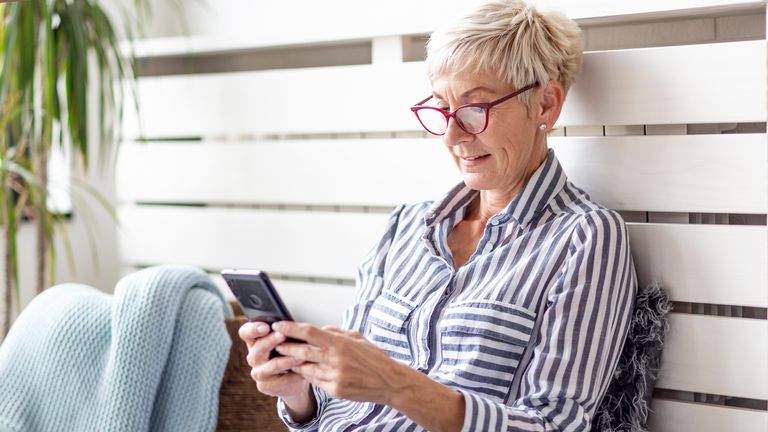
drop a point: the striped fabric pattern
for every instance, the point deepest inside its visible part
(550, 286)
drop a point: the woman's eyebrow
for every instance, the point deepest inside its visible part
(467, 93)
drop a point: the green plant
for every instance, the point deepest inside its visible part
(49, 51)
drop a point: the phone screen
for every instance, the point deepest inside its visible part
(257, 297)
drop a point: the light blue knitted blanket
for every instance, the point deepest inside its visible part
(151, 357)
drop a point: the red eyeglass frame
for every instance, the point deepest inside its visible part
(485, 105)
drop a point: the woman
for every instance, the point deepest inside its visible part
(501, 306)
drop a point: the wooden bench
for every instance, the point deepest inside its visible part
(281, 170)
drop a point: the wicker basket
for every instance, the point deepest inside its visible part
(241, 406)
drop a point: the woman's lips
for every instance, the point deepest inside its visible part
(474, 160)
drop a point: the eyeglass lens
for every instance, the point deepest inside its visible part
(470, 118)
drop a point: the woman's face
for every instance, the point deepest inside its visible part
(510, 148)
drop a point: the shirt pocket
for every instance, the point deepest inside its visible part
(388, 320)
(482, 343)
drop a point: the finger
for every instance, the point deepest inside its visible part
(253, 330)
(277, 384)
(275, 367)
(313, 372)
(305, 352)
(336, 330)
(305, 332)
(259, 351)
(356, 334)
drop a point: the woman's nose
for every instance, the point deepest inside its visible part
(454, 135)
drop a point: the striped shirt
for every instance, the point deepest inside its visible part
(529, 329)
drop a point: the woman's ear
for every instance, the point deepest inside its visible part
(551, 104)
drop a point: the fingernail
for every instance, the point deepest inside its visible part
(262, 328)
(277, 326)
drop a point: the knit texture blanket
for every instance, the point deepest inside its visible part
(149, 357)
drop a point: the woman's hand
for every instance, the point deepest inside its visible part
(274, 377)
(348, 366)
(343, 363)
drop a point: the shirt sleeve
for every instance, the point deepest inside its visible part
(582, 332)
(321, 398)
(369, 282)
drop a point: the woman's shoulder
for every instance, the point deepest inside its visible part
(586, 217)
(576, 204)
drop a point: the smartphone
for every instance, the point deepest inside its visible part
(257, 298)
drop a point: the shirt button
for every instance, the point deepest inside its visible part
(495, 222)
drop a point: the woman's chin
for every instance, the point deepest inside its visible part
(477, 182)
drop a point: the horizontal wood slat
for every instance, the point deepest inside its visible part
(717, 355)
(312, 100)
(712, 83)
(321, 244)
(673, 173)
(677, 416)
(704, 263)
(252, 25)
(677, 173)
(716, 264)
(324, 172)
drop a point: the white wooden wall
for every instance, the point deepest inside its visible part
(280, 169)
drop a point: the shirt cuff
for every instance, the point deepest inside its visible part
(482, 414)
(310, 424)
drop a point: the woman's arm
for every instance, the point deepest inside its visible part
(421, 397)
(575, 352)
(347, 366)
(580, 339)
(301, 408)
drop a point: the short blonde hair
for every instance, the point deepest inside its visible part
(512, 40)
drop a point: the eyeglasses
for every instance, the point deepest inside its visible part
(471, 118)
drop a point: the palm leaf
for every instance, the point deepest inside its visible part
(45, 46)
(90, 220)
(60, 222)
(100, 198)
(12, 246)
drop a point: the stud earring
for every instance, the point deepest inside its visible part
(543, 126)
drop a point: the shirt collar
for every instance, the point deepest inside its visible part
(545, 183)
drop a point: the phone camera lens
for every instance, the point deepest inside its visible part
(256, 302)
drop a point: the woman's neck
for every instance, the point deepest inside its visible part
(490, 202)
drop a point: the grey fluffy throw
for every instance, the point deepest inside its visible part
(626, 404)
